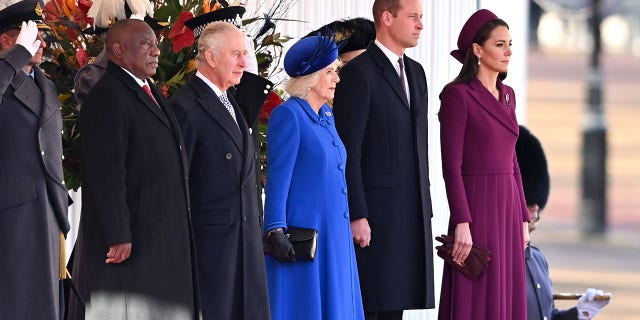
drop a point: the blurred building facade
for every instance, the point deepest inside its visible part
(564, 26)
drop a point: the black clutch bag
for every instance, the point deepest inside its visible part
(477, 261)
(304, 241)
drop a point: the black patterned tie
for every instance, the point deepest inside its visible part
(225, 101)
(404, 85)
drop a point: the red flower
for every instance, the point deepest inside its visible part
(164, 89)
(181, 36)
(81, 57)
(81, 13)
(59, 12)
(273, 100)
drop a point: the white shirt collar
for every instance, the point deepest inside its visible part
(31, 74)
(140, 82)
(213, 87)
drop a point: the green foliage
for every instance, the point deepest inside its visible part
(70, 49)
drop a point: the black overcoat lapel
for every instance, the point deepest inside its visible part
(27, 92)
(389, 72)
(214, 107)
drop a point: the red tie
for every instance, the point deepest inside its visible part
(148, 91)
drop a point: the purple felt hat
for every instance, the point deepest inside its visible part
(469, 31)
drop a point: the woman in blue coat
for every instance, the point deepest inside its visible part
(306, 188)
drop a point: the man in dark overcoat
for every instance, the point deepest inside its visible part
(134, 254)
(33, 198)
(222, 177)
(380, 108)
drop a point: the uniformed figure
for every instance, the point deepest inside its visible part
(535, 182)
(33, 198)
(134, 253)
(224, 198)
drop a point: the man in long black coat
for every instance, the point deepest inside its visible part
(384, 128)
(134, 253)
(33, 198)
(222, 177)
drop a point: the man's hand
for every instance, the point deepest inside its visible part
(361, 232)
(28, 37)
(118, 253)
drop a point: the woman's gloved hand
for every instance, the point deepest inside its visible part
(281, 247)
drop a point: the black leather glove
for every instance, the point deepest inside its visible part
(281, 247)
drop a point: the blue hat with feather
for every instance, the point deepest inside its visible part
(309, 55)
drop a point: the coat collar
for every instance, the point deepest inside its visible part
(208, 100)
(324, 115)
(36, 95)
(389, 72)
(497, 108)
(156, 109)
(27, 92)
(50, 101)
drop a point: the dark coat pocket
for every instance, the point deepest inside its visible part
(16, 194)
(212, 217)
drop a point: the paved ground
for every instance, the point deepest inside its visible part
(556, 102)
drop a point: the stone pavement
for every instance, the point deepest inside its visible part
(555, 105)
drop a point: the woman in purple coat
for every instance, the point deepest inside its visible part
(478, 135)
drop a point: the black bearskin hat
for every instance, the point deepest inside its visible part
(533, 168)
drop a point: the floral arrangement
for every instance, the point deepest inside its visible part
(70, 48)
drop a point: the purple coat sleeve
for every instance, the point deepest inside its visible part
(453, 121)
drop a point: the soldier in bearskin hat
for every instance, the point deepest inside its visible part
(535, 182)
(33, 197)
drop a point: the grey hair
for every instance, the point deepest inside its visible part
(299, 86)
(214, 37)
